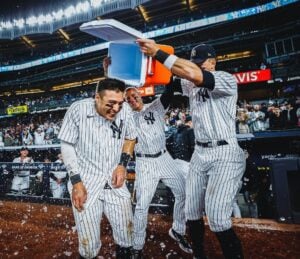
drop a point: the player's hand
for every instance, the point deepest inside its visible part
(106, 63)
(118, 176)
(148, 47)
(79, 196)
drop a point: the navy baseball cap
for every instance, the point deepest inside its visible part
(202, 52)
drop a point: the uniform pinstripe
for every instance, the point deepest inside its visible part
(56, 188)
(151, 140)
(21, 179)
(98, 144)
(215, 171)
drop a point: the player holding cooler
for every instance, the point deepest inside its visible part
(218, 162)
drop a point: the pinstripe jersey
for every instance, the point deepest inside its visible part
(150, 128)
(213, 112)
(98, 144)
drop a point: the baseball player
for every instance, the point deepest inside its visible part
(97, 140)
(218, 162)
(154, 163)
(57, 180)
(20, 182)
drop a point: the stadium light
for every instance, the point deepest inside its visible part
(7, 25)
(82, 7)
(19, 23)
(95, 3)
(58, 15)
(48, 18)
(41, 19)
(32, 20)
(70, 11)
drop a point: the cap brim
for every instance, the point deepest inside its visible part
(198, 60)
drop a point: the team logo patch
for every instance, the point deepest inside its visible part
(202, 95)
(193, 53)
(149, 118)
(117, 130)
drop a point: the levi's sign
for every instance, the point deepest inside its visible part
(253, 76)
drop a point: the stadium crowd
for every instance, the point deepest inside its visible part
(43, 129)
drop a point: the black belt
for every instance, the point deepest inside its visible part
(211, 143)
(107, 187)
(151, 155)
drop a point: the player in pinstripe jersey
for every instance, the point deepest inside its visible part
(97, 140)
(218, 162)
(154, 163)
(20, 182)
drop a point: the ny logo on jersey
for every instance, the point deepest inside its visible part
(117, 129)
(202, 95)
(149, 118)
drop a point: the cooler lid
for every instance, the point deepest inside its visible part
(111, 30)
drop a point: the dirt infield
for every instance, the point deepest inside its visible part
(30, 230)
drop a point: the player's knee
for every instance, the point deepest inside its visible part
(89, 249)
(217, 224)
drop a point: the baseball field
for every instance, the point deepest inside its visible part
(32, 230)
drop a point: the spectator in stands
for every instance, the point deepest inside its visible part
(290, 116)
(58, 180)
(1, 139)
(27, 138)
(39, 136)
(48, 140)
(242, 121)
(298, 116)
(182, 141)
(31, 129)
(50, 130)
(257, 119)
(276, 119)
(38, 187)
(9, 139)
(20, 183)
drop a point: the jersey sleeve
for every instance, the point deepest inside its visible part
(69, 131)
(131, 132)
(225, 83)
(157, 105)
(187, 87)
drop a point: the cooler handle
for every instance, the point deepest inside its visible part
(150, 71)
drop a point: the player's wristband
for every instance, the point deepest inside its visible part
(75, 178)
(161, 56)
(167, 59)
(170, 61)
(125, 157)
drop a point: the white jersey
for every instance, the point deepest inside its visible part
(59, 174)
(26, 160)
(215, 171)
(213, 112)
(98, 144)
(150, 128)
(39, 138)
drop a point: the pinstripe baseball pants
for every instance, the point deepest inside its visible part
(213, 182)
(118, 211)
(148, 173)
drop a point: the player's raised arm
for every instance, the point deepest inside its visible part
(179, 66)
